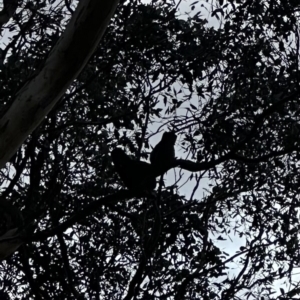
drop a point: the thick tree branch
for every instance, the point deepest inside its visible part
(9, 8)
(11, 240)
(89, 209)
(195, 167)
(38, 96)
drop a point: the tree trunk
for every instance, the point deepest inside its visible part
(66, 60)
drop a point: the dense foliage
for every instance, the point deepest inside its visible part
(231, 93)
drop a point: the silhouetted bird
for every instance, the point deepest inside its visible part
(163, 155)
(136, 175)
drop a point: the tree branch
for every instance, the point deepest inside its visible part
(89, 209)
(9, 8)
(67, 59)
